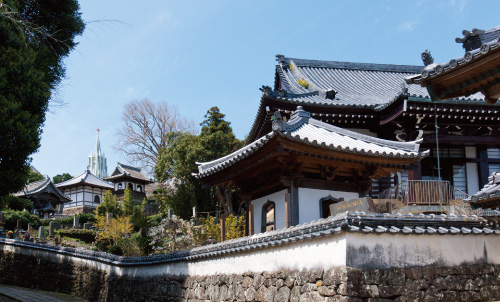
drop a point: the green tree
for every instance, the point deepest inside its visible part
(61, 177)
(177, 162)
(35, 36)
(128, 203)
(109, 204)
(34, 176)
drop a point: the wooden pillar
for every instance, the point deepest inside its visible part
(250, 219)
(288, 211)
(291, 200)
(415, 171)
(223, 227)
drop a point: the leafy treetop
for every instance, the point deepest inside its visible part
(61, 177)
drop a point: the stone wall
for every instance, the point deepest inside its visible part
(431, 283)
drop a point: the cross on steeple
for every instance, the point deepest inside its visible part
(98, 130)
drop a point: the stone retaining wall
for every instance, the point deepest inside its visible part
(431, 283)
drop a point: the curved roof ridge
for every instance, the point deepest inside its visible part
(301, 127)
(353, 65)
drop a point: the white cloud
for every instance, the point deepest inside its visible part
(459, 4)
(407, 26)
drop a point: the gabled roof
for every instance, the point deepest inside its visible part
(44, 185)
(304, 129)
(122, 170)
(86, 178)
(344, 84)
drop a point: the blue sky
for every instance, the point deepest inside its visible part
(199, 54)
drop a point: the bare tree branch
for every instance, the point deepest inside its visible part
(145, 127)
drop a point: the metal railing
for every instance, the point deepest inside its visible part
(424, 192)
(75, 204)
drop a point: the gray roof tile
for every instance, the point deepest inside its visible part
(86, 178)
(307, 130)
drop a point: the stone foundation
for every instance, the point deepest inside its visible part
(78, 210)
(430, 283)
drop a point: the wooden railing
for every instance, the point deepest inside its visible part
(424, 192)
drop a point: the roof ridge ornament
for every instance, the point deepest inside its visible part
(278, 123)
(330, 94)
(300, 112)
(427, 57)
(266, 90)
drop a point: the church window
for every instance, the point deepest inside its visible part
(139, 188)
(97, 199)
(324, 205)
(268, 217)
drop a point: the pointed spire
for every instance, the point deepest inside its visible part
(97, 161)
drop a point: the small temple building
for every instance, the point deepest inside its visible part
(286, 175)
(97, 161)
(85, 192)
(125, 176)
(46, 197)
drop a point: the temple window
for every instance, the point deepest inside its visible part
(130, 187)
(120, 186)
(97, 199)
(268, 217)
(324, 205)
(139, 188)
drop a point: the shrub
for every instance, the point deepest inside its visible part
(87, 236)
(11, 217)
(87, 217)
(155, 220)
(113, 230)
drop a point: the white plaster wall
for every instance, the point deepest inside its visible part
(352, 249)
(472, 176)
(302, 255)
(279, 210)
(309, 209)
(387, 250)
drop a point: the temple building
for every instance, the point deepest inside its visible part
(46, 197)
(97, 161)
(286, 175)
(436, 107)
(125, 176)
(85, 191)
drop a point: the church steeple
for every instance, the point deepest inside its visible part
(97, 161)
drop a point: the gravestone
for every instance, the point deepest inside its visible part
(170, 213)
(364, 204)
(51, 229)
(76, 222)
(109, 216)
(41, 234)
(87, 226)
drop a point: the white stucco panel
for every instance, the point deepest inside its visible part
(309, 206)
(279, 202)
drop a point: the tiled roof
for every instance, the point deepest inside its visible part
(125, 170)
(39, 186)
(354, 84)
(86, 178)
(358, 222)
(303, 128)
(434, 70)
(475, 38)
